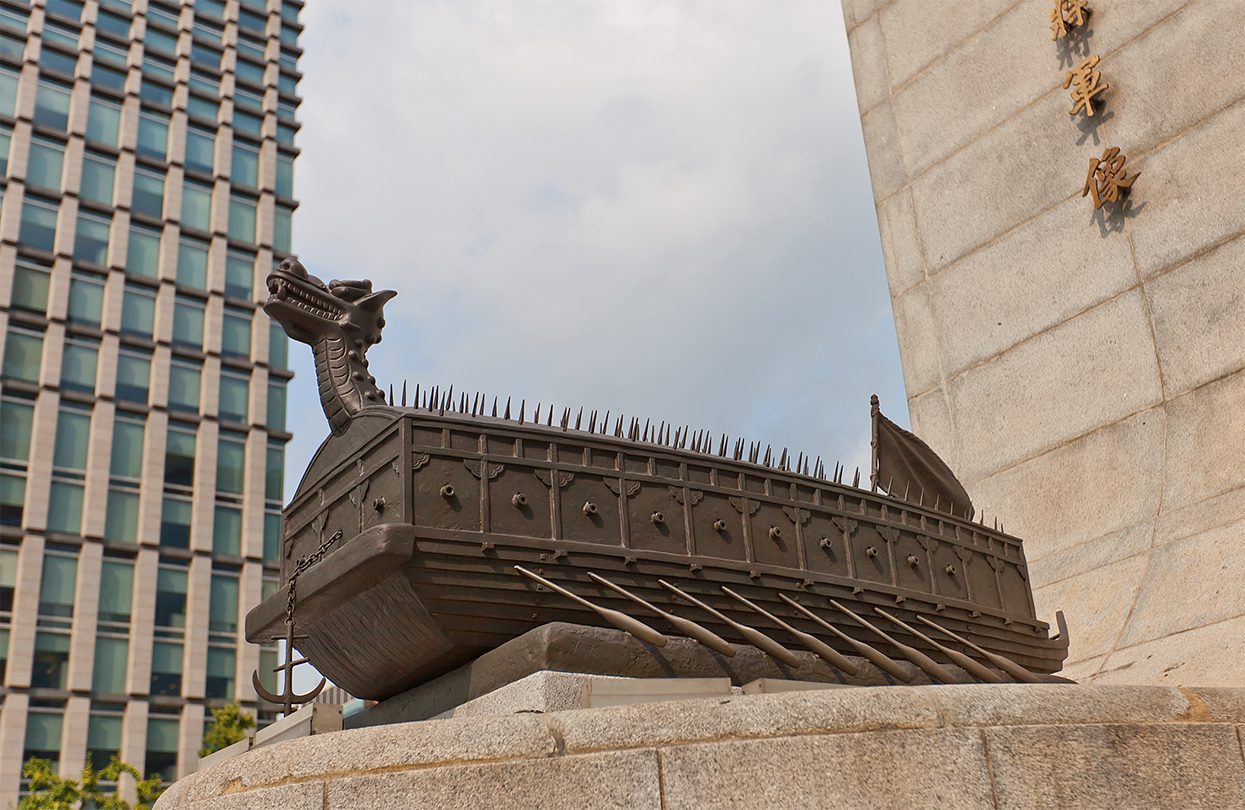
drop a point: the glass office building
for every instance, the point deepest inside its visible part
(147, 150)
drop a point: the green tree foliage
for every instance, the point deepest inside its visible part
(229, 725)
(50, 791)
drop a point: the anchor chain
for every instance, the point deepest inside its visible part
(288, 696)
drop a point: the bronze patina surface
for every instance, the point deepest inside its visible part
(461, 530)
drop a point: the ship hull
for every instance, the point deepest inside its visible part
(423, 518)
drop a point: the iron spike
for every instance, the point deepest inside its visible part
(1002, 662)
(507, 414)
(931, 667)
(592, 422)
(996, 524)
(814, 645)
(494, 407)
(475, 404)
(618, 425)
(522, 409)
(549, 418)
(799, 462)
(579, 418)
(536, 418)
(687, 627)
(684, 444)
(856, 478)
(906, 489)
(434, 397)
(722, 446)
(448, 404)
(921, 500)
(676, 437)
(415, 403)
(769, 456)
(566, 419)
(404, 393)
(890, 484)
(391, 399)
(869, 653)
(646, 425)
(605, 423)
(622, 621)
(937, 500)
(818, 469)
(754, 637)
(782, 461)
(958, 658)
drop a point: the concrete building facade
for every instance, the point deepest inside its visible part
(1085, 374)
(147, 150)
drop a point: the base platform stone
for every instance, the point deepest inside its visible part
(988, 746)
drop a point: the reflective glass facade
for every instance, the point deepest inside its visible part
(142, 390)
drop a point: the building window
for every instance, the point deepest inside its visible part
(127, 450)
(43, 169)
(138, 311)
(166, 670)
(103, 121)
(107, 78)
(274, 474)
(188, 323)
(175, 523)
(241, 219)
(148, 193)
(276, 406)
(202, 108)
(73, 437)
(234, 393)
(121, 519)
(245, 171)
(111, 657)
(65, 507)
(8, 579)
(227, 530)
(6, 138)
(113, 24)
(285, 177)
(107, 53)
(223, 615)
(90, 244)
(12, 500)
(78, 364)
(52, 60)
(236, 334)
(222, 663)
(52, 105)
(282, 229)
(184, 387)
(153, 135)
(230, 463)
(133, 377)
(116, 591)
(200, 149)
(8, 90)
(98, 179)
(162, 735)
(278, 347)
(250, 71)
(142, 257)
(239, 272)
(65, 8)
(171, 597)
(43, 737)
(56, 589)
(38, 227)
(103, 732)
(192, 259)
(51, 661)
(30, 288)
(197, 206)
(23, 355)
(86, 299)
(16, 423)
(179, 458)
(272, 536)
(245, 122)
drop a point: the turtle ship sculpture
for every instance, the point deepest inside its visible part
(422, 537)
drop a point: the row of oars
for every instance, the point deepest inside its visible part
(769, 646)
(436, 400)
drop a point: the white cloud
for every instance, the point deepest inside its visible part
(650, 206)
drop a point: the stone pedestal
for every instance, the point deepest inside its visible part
(926, 746)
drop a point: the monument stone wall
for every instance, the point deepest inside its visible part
(1083, 373)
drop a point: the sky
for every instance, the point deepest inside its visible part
(658, 207)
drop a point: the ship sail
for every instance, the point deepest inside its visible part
(903, 463)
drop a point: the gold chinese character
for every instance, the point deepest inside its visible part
(1107, 181)
(1085, 84)
(1067, 14)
